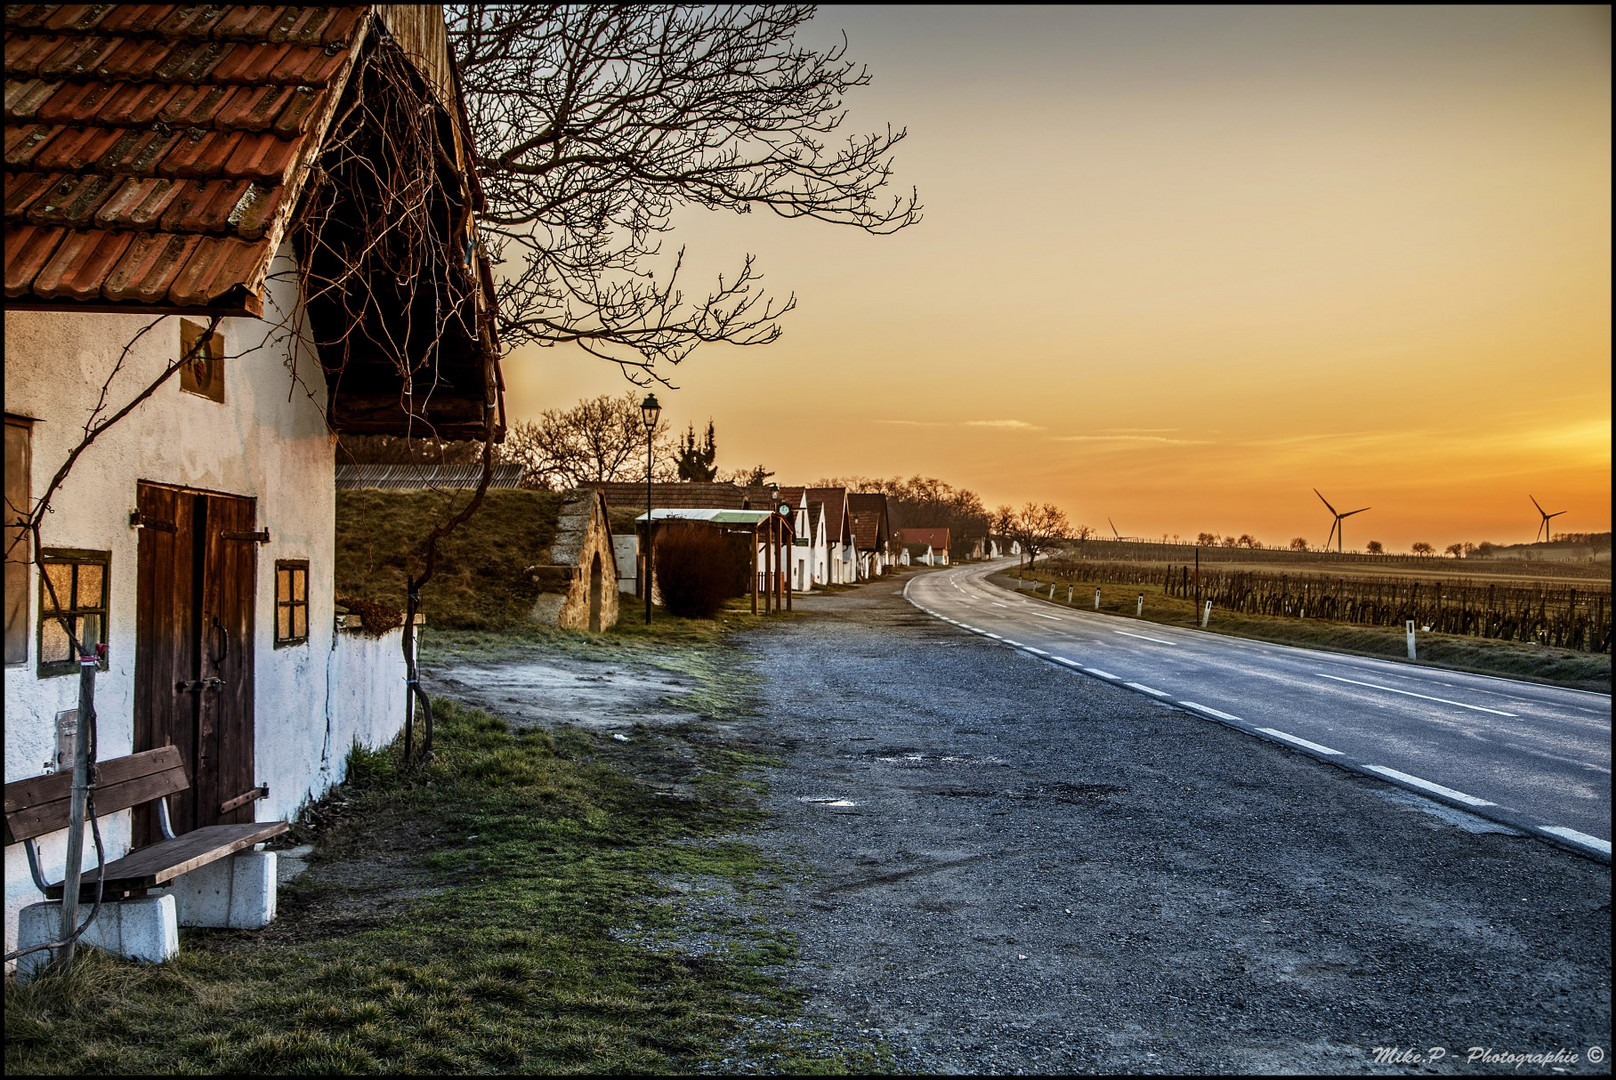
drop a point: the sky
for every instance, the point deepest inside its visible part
(1178, 267)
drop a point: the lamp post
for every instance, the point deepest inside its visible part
(650, 412)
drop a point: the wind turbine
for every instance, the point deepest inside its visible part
(1336, 531)
(1543, 529)
(1113, 525)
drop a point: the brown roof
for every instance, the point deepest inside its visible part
(152, 151)
(870, 528)
(937, 538)
(835, 500)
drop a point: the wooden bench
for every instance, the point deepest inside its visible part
(40, 805)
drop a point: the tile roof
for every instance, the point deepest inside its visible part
(835, 500)
(937, 538)
(869, 510)
(152, 150)
(681, 496)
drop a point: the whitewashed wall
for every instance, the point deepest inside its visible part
(267, 440)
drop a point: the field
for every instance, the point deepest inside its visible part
(1553, 628)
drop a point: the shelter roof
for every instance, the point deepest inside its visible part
(716, 516)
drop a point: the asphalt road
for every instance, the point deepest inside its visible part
(1531, 756)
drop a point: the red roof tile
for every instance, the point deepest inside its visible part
(148, 146)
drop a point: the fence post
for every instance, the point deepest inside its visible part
(1096, 599)
(1052, 590)
(1411, 639)
(1206, 614)
(1141, 612)
(1069, 593)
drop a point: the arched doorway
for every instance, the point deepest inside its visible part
(594, 595)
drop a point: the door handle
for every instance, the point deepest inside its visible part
(218, 655)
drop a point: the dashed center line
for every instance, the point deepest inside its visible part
(1051, 618)
(1146, 689)
(1143, 637)
(1410, 693)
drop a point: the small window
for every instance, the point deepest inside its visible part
(73, 590)
(19, 491)
(204, 374)
(291, 602)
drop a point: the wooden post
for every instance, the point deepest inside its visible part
(754, 569)
(75, 813)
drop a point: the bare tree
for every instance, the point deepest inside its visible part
(1298, 543)
(1375, 547)
(598, 440)
(1037, 526)
(594, 123)
(1456, 550)
(1423, 549)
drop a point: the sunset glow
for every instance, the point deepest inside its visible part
(1181, 266)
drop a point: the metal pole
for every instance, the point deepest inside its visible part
(648, 526)
(75, 813)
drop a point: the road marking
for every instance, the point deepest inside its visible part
(1101, 674)
(995, 637)
(1578, 838)
(1067, 661)
(1142, 637)
(995, 603)
(1410, 693)
(1051, 618)
(1212, 712)
(1146, 689)
(1428, 786)
(1299, 742)
(1040, 652)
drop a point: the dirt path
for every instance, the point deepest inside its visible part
(1009, 868)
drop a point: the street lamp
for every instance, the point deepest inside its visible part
(650, 412)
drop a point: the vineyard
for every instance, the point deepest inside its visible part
(1559, 616)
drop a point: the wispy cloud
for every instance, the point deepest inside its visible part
(914, 423)
(1020, 425)
(1123, 440)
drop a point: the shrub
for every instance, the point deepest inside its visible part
(694, 570)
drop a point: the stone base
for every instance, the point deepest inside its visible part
(144, 928)
(235, 893)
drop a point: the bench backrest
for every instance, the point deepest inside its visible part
(41, 804)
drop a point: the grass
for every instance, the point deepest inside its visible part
(521, 903)
(1485, 656)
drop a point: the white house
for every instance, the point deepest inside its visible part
(841, 553)
(192, 541)
(872, 534)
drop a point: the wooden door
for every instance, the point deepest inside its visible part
(194, 625)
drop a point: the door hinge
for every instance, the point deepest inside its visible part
(138, 521)
(260, 537)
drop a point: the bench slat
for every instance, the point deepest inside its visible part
(160, 863)
(41, 804)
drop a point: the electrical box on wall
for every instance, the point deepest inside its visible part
(67, 730)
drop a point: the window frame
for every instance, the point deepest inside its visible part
(291, 604)
(74, 557)
(19, 565)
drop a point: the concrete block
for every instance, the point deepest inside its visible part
(236, 893)
(144, 928)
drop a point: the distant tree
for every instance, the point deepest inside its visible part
(1037, 526)
(1230, 541)
(695, 463)
(1002, 520)
(1248, 541)
(397, 450)
(1375, 547)
(756, 476)
(602, 439)
(1206, 539)
(1422, 549)
(1082, 532)
(1456, 550)
(926, 502)
(1485, 548)
(1298, 543)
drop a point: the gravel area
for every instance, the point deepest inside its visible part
(1012, 868)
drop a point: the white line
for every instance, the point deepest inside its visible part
(1142, 637)
(1007, 641)
(995, 603)
(1101, 674)
(995, 637)
(1578, 837)
(1428, 786)
(1146, 689)
(1040, 652)
(1211, 711)
(1410, 693)
(1067, 661)
(1299, 742)
(1051, 618)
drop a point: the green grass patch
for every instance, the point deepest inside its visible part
(518, 904)
(1484, 656)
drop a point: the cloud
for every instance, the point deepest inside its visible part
(1020, 425)
(914, 423)
(1122, 440)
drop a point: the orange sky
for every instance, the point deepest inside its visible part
(1180, 266)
